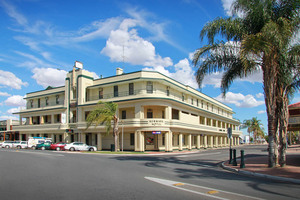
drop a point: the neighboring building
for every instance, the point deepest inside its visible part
(294, 117)
(155, 111)
(6, 130)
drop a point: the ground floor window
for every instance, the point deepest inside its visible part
(131, 138)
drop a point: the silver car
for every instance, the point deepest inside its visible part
(20, 145)
(79, 146)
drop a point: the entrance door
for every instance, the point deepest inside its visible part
(151, 141)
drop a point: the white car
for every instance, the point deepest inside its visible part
(7, 144)
(20, 144)
(79, 146)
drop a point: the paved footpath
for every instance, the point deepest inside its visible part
(258, 166)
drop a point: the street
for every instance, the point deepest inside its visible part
(33, 174)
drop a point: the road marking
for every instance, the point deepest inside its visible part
(201, 190)
(40, 153)
(193, 155)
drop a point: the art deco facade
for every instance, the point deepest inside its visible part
(155, 111)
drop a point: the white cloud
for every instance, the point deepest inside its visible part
(49, 76)
(4, 94)
(240, 100)
(261, 112)
(259, 95)
(8, 117)
(227, 6)
(15, 100)
(213, 79)
(10, 80)
(13, 110)
(12, 12)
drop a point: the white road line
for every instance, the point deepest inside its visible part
(174, 184)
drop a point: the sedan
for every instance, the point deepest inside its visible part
(58, 146)
(7, 144)
(43, 145)
(79, 146)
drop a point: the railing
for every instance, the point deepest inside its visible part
(43, 105)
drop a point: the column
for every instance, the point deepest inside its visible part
(82, 137)
(198, 141)
(30, 120)
(168, 142)
(180, 141)
(42, 120)
(99, 141)
(52, 136)
(205, 141)
(189, 141)
(210, 141)
(139, 143)
(216, 143)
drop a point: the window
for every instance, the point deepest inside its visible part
(163, 114)
(149, 113)
(57, 99)
(39, 103)
(47, 101)
(163, 139)
(116, 93)
(192, 101)
(131, 89)
(168, 91)
(101, 93)
(175, 114)
(182, 97)
(86, 114)
(31, 103)
(131, 138)
(149, 87)
(123, 114)
(197, 102)
(201, 104)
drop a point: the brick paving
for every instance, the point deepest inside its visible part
(259, 164)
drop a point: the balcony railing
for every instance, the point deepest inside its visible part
(43, 105)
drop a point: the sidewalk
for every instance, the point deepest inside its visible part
(258, 166)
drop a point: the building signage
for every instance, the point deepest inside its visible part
(156, 122)
(156, 132)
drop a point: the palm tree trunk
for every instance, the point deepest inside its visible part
(116, 133)
(283, 123)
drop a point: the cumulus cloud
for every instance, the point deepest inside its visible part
(227, 6)
(15, 100)
(4, 94)
(260, 95)
(240, 100)
(49, 76)
(13, 110)
(8, 117)
(261, 112)
(10, 80)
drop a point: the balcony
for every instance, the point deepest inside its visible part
(39, 127)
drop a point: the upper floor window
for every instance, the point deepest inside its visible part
(197, 102)
(57, 99)
(47, 101)
(116, 91)
(192, 101)
(31, 103)
(168, 91)
(131, 89)
(101, 93)
(150, 87)
(123, 114)
(149, 113)
(182, 97)
(39, 103)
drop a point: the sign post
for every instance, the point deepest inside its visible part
(229, 135)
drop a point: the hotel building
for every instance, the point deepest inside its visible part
(156, 113)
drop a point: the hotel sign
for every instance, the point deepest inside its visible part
(156, 132)
(156, 122)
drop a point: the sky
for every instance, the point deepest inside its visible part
(41, 40)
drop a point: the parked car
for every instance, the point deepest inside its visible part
(33, 141)
(20, 144)
(58, 146)
(7, 144)
(43, 145)
(79, 146)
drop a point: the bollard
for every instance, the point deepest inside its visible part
(230, 156)
(234, 163)
(242, 165)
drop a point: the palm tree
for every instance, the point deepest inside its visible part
(254, 126)
(258, 41)
(247, 124)
(105, 114)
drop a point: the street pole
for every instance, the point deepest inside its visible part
(122, 136)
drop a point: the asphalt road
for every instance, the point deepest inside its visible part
(34, 174)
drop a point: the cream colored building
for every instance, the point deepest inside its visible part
(155, 111)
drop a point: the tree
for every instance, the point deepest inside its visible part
(254, 126)
(256, 41)
(105, 114)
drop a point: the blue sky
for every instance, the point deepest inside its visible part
(41, 40)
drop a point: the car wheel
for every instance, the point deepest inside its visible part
(7, 146)
(72, 149)
(57, 148)
(33, 147)
(91, 149)
(43, 148)
(19, 147)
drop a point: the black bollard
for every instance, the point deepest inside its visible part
(234, 163)
(242, 165)
(230, 156)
